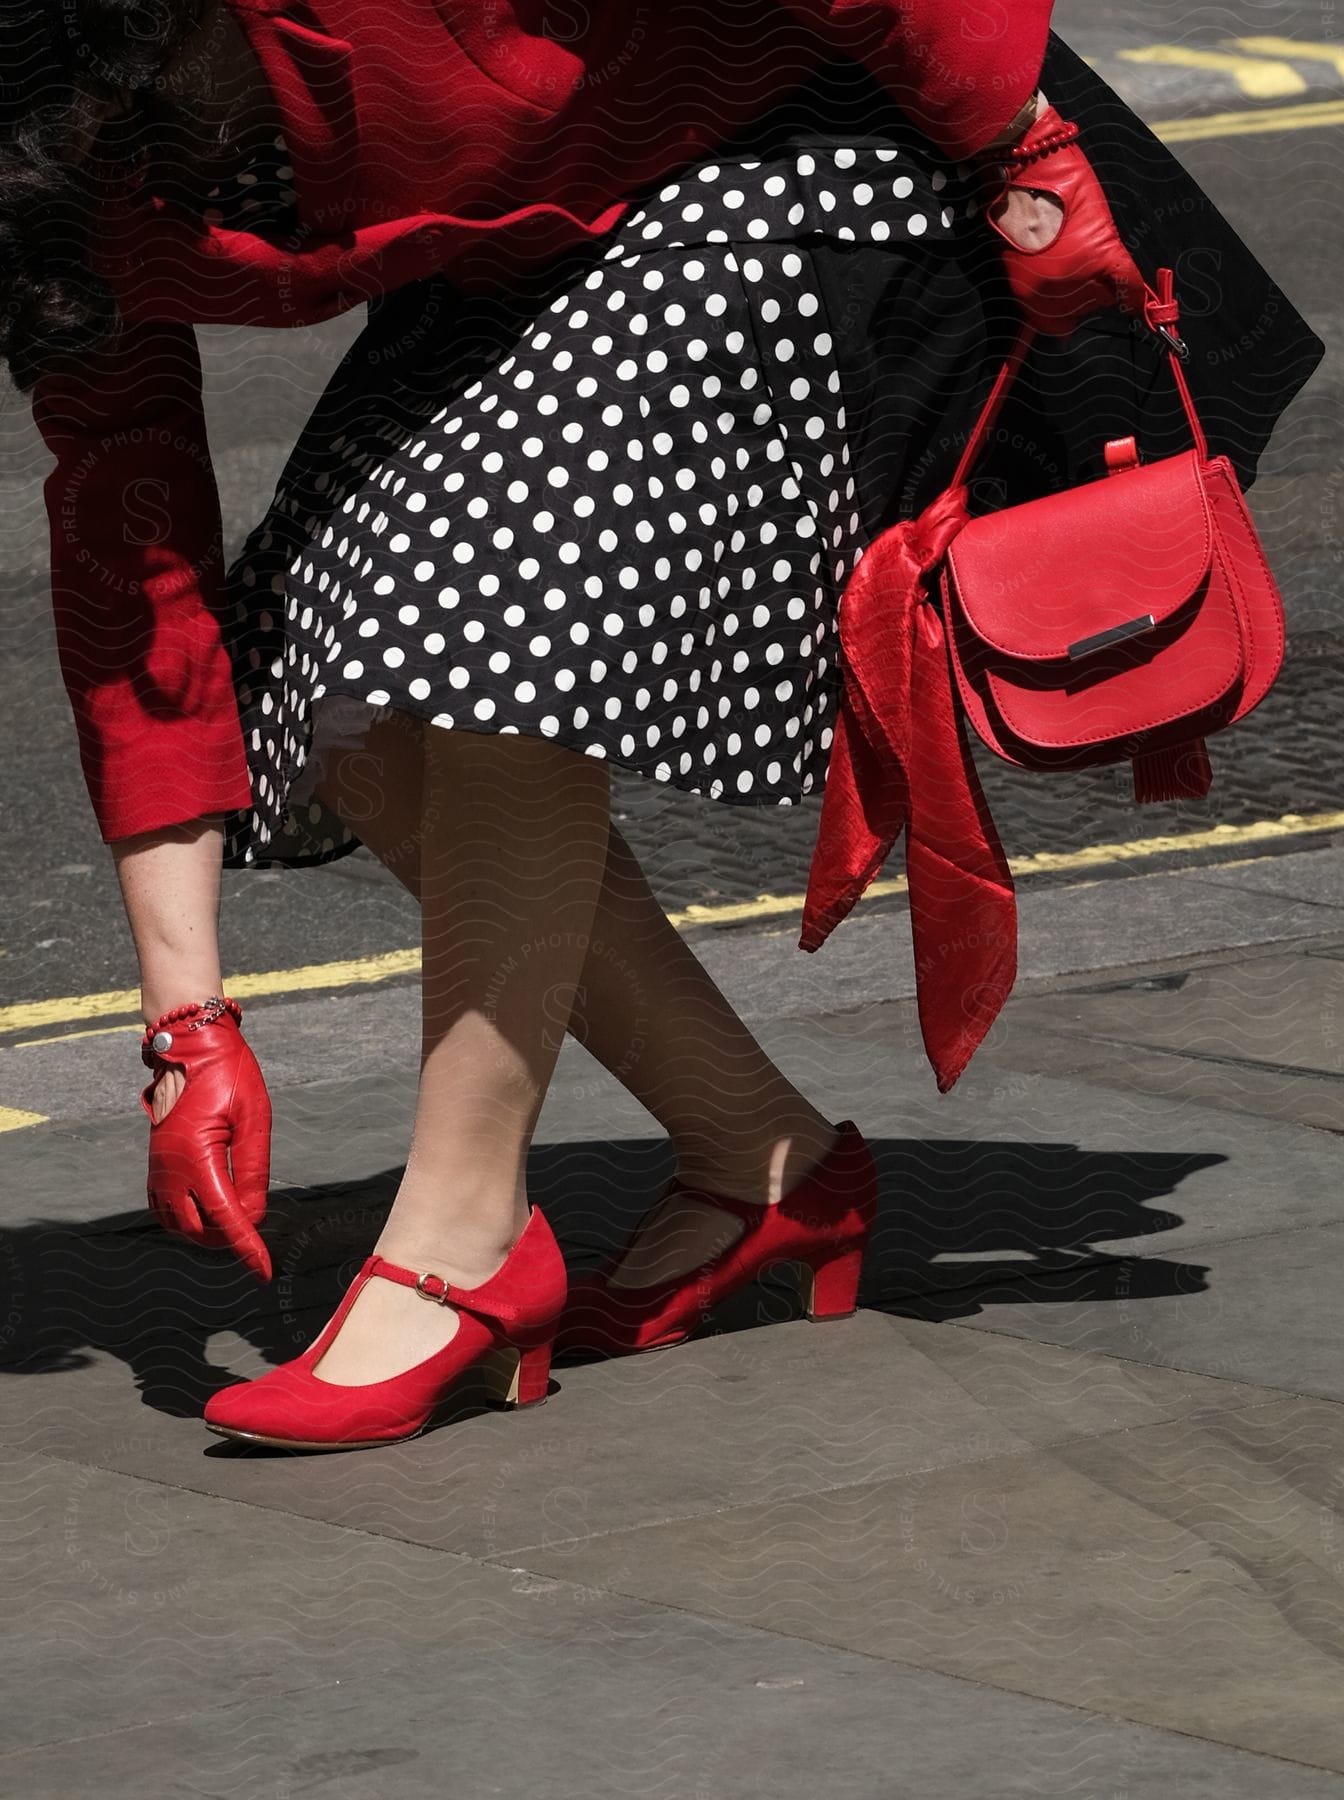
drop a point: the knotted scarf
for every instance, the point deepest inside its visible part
(899, 760)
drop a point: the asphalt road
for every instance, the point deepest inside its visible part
(61, 930)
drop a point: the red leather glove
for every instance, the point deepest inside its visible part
(1086, 268)
(223, 1107)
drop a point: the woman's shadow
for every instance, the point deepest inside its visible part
(961, 1226)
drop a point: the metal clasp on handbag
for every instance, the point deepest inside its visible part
(1160, 313)
(1168, 336)
(1102, 640)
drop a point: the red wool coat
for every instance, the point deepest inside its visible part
(425, 135)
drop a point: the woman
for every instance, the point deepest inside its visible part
(585, 490)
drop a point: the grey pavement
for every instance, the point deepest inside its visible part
(1059, 1512)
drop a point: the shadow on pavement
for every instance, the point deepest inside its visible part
(961, 1226)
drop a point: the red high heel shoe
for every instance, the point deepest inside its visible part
(822, 1223)
(505, 1324)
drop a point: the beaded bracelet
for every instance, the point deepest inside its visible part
(1021, 122)
(1018, 155)
(158, 1037)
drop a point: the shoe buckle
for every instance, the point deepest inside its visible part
(440, 1299)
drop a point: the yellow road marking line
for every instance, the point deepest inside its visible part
(68, 1037)
(1282, 46)
(72, 1009)
(1054, 862)
(1258, 77)
(11, 1119)
(365, 970)
(1236, 124)
(1259, 831)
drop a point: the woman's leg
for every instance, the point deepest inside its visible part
(645, 1007)
(512, 846)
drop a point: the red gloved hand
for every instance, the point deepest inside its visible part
(223, 1107)
(1086, 268)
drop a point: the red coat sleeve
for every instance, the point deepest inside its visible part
(136, 562)
(959, 72)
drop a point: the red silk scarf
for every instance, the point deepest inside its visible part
(900, 761)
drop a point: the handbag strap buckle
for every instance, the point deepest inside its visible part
(1160, 313)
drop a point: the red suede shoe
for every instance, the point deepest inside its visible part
(505, 1324)
(822, 1223)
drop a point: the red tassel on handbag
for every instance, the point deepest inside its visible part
(1124, 620)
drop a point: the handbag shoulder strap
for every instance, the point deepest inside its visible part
(1160, 314)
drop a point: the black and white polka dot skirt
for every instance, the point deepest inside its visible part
(615, 508)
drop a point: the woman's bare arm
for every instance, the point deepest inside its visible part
(170, 886)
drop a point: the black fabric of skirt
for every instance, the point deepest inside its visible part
(615, 507)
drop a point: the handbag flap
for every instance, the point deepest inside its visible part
(1124, 551)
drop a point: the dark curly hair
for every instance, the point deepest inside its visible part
(60, 60)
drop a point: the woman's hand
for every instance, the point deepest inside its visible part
(209, 1113)
(1063, 256)
(210, 1153)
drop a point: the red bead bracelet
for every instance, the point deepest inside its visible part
(1018, 154)
(158, 1037)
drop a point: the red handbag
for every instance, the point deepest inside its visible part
(1123, 620)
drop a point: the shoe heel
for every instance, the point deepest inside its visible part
(515, 1377)
(830, 1289)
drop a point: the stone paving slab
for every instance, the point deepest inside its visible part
(648, 1701)
(1284, 1012)
(1315, 876)
(133, 1603)
(1289, 1096)
(1266, 1308)
(1263, 1036)
(1188, 1575)
(739, 1417)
